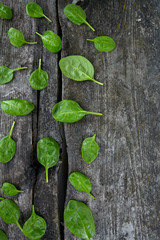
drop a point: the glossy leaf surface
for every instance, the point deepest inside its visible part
(81, 182)
(90, 149)
(76, 15)
(16, 38)
(34, 10)
(77, 68)
(51, 41)
(39, 78)
(9, 211)
(5, 12)
(3, 235)
(103, 43)
(79, 220)
(35, 226)
(7, 147)
(69, 111)
(17, 107)
(47, 153)
(10, 190)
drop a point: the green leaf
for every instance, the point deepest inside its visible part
(51, 41)
(77, 68)
(81, 182)
(47, 153)
(90, 149)
(39, 78)
(69, 111)
(17, 107)
(16, 38)
(5, 12)
(35, 226)
(3, 235)
(79, 220)
(9, 211)
(6, 74)
(103, 43)
(35, 10)
(76, 15)
(7, 147)
(10, 190)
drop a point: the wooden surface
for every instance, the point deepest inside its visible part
(125, 175)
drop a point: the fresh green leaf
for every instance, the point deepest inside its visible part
(47, 153)
(90, 149)
(7, 147)
(103, 43)
(6, 74)
(9, 211)
(34, 10)
(3, 235)
(77, 68)
(69, 111)
(1, 198)
(79, 219)
(81, 182)
(10, 190)
(35, 226)
(17, 107)
(16, 38)
(39, 78)
(76, 15)
(51, 41)
(5, 12)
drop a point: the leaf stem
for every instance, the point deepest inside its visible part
(30, 42)
(39, 68)
(89, 25)
(16, 69)
(46, 175)
(33, 209)
(97, 82)
(94, 136)
(91, 40)
(10, 133)
(20, 191)
(38, 34)
(19, 226)
(47, 18)
(94, 113)
(91, 195)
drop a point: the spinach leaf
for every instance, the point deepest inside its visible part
(47, 153)
(10, 190)
(5, 12)
(35, 226)
(7, 147)
(16, 38)
(90, 149)
(81, 182)
(103, 43)
(69, 111)
(79, 219)
(9, 211)
(6, 74)
(51, 41)
(39, 78)
(77, 68)
(3, 235)
(76, 15)
(17, 107)
(34, 10)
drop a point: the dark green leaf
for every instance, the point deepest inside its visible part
(17, 107)
(34, 10)
(81, 182)
(6, 74)
(16, 38)
(47, 153)
(90, 149)
(5, 12)
(79, 220)
(76, 15)
(9, 211)
(3, 235)
(35, 226)
(10, 190)
(103, 43)
(51, 41)
(7, 147)
(77, 68)
(69, 111)
(39, 78)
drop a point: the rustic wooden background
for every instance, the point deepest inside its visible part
(125, 175)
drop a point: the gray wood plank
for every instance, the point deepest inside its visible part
(125, 175)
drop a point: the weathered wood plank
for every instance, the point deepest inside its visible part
(125, 174)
